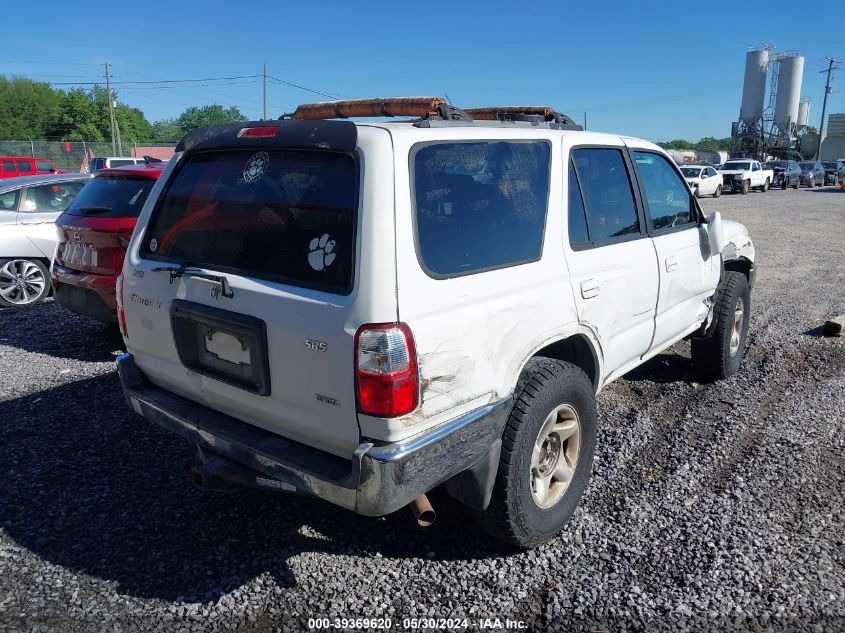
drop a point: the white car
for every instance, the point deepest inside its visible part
(29, 206)
(743, 175)
(703, 180)
(364, 311)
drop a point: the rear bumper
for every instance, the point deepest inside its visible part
(378, 480)
(103, 286)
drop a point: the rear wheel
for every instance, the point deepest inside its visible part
(718, 191)
(547, 454)
(720, 355)
(22, 282)
(765, 186)
(783, 183)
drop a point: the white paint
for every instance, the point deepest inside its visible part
(256, 166)
(321, 253)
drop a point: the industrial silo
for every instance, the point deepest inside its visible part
(803, 112)
(790, 74)
(754, 86)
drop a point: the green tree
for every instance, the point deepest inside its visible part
(27, 108)
(166, 131)
(215, 114)
(678, 143)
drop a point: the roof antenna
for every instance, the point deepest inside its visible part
(448, 100)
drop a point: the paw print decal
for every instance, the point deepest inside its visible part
(255, 166)
(321, 253)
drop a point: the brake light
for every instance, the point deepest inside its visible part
(386, 370)
(123, 237)
(265, 131)
(121, 315)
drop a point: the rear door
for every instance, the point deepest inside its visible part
(273, 346)
(688, 273)
(612, 263)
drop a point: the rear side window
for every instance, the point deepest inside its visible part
(578, 232)
(9, 200)
(112, 197)
(122, 162)
(608, 197)
(24, 166)
(9, 165)
(282, 215)
(480, 206)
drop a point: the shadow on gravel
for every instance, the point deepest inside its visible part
(663, 368)
(828, 190)
(33, 328)
(86, 484)
(815, 332)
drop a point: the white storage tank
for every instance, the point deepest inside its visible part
(790, 75)
(803, 112)
(754, 86)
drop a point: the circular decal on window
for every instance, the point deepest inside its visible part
(255, 166)
(154, 245)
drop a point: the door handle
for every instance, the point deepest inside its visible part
(590, 288)
(671, 264)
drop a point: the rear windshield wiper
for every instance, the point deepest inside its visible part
(180, 271)
(93, 210)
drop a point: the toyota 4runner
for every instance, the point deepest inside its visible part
(365, 311)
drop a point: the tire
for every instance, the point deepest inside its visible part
(797, 183)
(720, 355)
(549, 393)
(745, 187)
(783, 183)
(765, 186)
(23, 282)
(718, 191)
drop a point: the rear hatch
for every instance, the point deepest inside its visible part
(241, 297)
(95, 230)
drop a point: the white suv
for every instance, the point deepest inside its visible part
(365, 311)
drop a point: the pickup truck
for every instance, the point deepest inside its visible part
(742, 175)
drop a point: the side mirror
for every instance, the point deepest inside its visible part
(715, 233)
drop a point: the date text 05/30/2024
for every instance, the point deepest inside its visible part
(428, 624)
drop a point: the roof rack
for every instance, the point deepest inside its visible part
(429, 110)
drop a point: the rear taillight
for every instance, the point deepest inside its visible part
(386, 370)
(123, 236)
(121, 315)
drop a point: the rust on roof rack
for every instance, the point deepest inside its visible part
(394, 106)
(494, 113)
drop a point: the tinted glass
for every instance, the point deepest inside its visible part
(96, 163)
(711, 172)
(112, 197)
(9, 165)
(669, 199)
(480, 205)
(288, 216)
(578, 233)
(121, 162)
(43, 165)
(736, 166)
(608, 197)
(24, 166)
(51, 198)
(691, 172)
(9, 200)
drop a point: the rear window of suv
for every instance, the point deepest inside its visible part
(282, 215)
(112, 197)
(480, 205)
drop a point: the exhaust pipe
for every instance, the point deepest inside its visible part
(423, 512)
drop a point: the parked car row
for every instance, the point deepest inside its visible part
(69, 232)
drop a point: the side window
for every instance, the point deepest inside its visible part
(608, 197)
(43, 165)
(9, 200)
(670, 201)
(755, 166)
(480, 205)
(579, 235)
(24, 167)
(51, 198)
(711, 171)
(9, 165)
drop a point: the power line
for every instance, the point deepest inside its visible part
(306, 89)
(19, 61)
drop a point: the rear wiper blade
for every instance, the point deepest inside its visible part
(92, 210)
(187, 270)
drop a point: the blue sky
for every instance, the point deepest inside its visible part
(650, 69)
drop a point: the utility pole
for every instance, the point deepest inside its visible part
(585, 121)
(829, 71)
(112, 123)
(265, 91)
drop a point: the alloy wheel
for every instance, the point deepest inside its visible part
(555, 456)
(21, 281)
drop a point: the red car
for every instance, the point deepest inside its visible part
(14, 166)
(93, 235)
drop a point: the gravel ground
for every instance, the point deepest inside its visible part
(711, 507)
